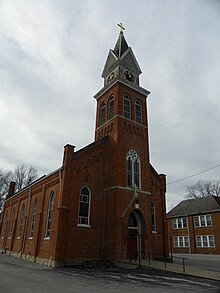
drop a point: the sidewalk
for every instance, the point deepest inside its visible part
(176, 268)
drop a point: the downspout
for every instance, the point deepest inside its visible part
(59, 217)
(26, 223)
(190, 251)
(60, 177)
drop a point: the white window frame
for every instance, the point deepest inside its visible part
(49, 215)
(132, 174)
(111, 107)
(4, 226)
(21, 220)
(12, 221)
(180, 223)
(199, 220)
(33, 219)
(127, 107)
(82, 219)
(138, 111)
(102, 114)
(178, 240)
(205, 241)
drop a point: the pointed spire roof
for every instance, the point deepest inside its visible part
(121, 46)
(121, 55)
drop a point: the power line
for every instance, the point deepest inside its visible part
(193, 175)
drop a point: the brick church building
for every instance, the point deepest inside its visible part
(106, 202)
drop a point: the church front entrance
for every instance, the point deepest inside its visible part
(133, 236)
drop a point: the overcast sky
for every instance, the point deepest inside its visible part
(52, 54)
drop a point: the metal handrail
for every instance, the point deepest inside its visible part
(162, 257)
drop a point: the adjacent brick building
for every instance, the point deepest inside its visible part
(194, 225)
(106, 202)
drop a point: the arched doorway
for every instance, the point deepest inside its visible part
(133, 236)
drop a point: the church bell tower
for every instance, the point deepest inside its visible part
(121, 106)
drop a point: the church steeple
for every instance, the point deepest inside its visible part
(121, 101)
(121, 46)
(121, 63)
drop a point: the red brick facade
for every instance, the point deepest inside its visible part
(111, 203)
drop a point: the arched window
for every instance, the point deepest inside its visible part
(102, 114)
(138, 112)
(127, 106)
(84, 206)
(133, 169)
(33, 220)
(12, 221)
(111, 107)
(21, 220)
(49, 215)
(153, 217)
(5, 225)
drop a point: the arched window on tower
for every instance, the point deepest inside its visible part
(138, 112)
(153, 217)
(111, 107)
(133, 169)
(127, 106)
(84, 207)
(49, 215)
(102, 114)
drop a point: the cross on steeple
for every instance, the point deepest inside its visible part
(121, 27)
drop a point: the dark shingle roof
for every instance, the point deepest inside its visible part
(195, 206)
(121, 45)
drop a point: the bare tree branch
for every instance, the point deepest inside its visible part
(4, 183)
(23, 175)
(203, 188)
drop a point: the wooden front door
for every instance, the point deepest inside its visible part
(132, 244)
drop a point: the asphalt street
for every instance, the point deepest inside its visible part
(208, 262)
(20, 276)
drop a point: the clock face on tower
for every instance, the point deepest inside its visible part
(129, 76)
(111, 76)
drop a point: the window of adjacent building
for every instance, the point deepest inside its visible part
(153, 216)
(102, 113)
(203, 221)
(180, 223)
(21, 220)
(111, 107)
(205, 241)
(49, 215)
(84, 207)
(138, 112)
(133, 169)
(127, 106)
(181, 241)
(33, 220)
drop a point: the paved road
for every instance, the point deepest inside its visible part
(208, 262)
(20, 276)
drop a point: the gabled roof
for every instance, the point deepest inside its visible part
(195, 206)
